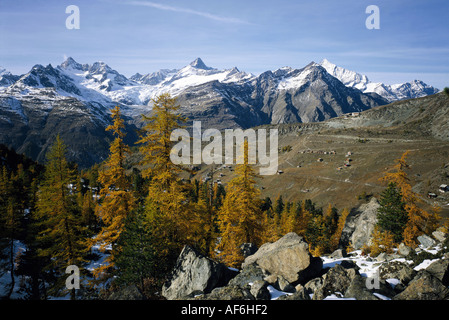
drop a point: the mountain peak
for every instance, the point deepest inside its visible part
(71, 63)
(326, 62)
(199, 64)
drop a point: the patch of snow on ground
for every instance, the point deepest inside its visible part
(276, 293)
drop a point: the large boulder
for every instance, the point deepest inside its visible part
(440, 269)
(424, 286)
(360, 224)
(288, 257)
(195, 273)
(362, 288)
(357, 289)
(337, 279)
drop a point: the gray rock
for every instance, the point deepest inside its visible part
(337, 279)
(426, 241)
(440, 270)
(249, 274)
(259, 290)
(360, 224)
(299, 294)
(288, 257)
(338, 254)
(283, 285)
(404, 250)
(424, 287)
(362, 288)
(195, 273)
(382, 257)
(229, 293)
(439, 235)
(128, 293)
(357, 289)
(397, 270)
(314, 285)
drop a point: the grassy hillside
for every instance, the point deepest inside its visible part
(314, 167)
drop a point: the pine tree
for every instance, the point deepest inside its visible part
(392, 215)
(29, 265)
(136, 260)
(321, 230)
(278, 205)
(240, 218)
(116, 199)
(57, 208)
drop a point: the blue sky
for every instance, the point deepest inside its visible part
(253, 35)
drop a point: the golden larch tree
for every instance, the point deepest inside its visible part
(116, 198)
(419, 220)
(169, 213)
(240, 218)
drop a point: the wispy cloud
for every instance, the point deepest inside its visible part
(188, 11)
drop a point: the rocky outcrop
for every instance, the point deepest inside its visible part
(360, 224)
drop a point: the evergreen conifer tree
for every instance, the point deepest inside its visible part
(392, 215)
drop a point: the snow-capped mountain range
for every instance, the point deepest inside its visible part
(75, 99)
(99, 82)
(401, 91)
